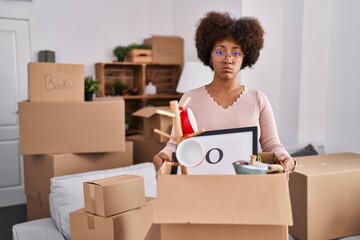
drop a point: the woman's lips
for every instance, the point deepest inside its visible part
(227, 70)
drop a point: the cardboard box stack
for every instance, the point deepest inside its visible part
(115, 208)
(62, 134)
(325, 196)
(149, 143)
(206, 207)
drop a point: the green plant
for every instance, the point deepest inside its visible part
(118, 87)
(91, 84)
(120, 51)
(138, 46)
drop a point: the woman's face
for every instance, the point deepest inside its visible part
(226, 58)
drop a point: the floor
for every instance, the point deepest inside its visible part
(10, 216)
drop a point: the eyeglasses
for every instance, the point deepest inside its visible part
(220, 55)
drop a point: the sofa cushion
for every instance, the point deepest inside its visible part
(67, 191)
(305, 151)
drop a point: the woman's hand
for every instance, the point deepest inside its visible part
(160, 158)
(287, 162)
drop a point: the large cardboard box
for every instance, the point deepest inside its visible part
(144, 149)
(166, 49)
(97, 126)
(54, 82)
(133, 224)
(39, 169)
(114, 195)
(152, 120)
(325, 196)
(36, 209)
(206, 207)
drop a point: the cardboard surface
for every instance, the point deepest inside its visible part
(228, 199)
(223, 206)
(133, 224)
(166, 49)
(54, 82)
(39, 169)
(144, 150)
(114, 195)
(36, 209)
(223, 232)
(97, 126)
(152, 120)
(325, 196)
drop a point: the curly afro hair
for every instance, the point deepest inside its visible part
(217, 26)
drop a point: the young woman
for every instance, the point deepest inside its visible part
(227, 45)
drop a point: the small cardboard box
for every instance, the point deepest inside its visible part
(36, 209)
(54, 82)
(139, 55)
(39, 169)
(166, 49)
(133, 224)
(325, 196)
(152, 120)
(97, 126)
(206, 207)
(144, 149)
(114, 195)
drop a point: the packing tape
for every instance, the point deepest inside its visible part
(90, 222)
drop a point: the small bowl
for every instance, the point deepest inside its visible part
(244, 167)
(190, 152)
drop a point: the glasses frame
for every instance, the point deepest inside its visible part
(227, 54)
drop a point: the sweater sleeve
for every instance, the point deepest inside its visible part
(269, 139)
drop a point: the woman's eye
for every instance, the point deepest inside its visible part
(236, 53)
(219, 52)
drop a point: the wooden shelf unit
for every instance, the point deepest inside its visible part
(135, 75)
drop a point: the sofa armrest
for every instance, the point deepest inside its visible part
(42, 229)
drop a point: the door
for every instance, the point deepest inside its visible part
(14, 56)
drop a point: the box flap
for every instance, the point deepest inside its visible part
(147, 112)
(328, 164)
(113, 180)
(223, 199)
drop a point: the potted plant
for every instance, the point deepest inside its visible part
(120, 52)
(118, 87)
(91, 86)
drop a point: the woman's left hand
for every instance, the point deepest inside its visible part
(287, 162)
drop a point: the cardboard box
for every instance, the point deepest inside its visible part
(39, 169)
(166, 49)
(97, 126)
(325, 196)
(144, 150)
(206, 207)
(139, 55)
(36, 209)
(133, 224)
(114, 195)
(54, 82)
(152, 120)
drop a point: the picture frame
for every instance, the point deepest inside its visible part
(223, 147)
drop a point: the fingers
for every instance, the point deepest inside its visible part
(287, 162)
(160, 158)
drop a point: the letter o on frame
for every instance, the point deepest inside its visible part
(207, 157)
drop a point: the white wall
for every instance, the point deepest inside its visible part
(309, 67)
(342, 128)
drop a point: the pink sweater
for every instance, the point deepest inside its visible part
(251, 109)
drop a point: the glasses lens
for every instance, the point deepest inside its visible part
(220, 55)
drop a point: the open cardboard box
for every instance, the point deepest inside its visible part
(152, 120)
(224, 206)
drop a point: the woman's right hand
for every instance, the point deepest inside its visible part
(160, 158)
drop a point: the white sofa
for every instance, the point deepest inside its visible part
(67, 196)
